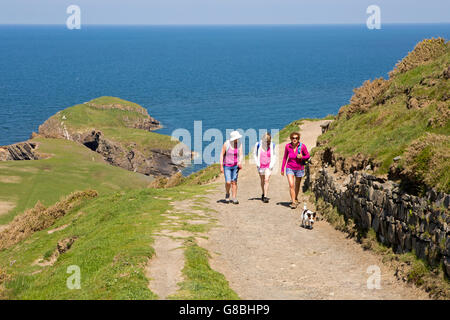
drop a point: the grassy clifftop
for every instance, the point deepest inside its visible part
(119, 130)
(118, 119)
(405, 116)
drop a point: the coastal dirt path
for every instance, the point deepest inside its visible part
(265, 254)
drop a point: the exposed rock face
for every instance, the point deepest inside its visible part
(130, 158)
(348, 165)
(401, 220)
(19, 151)
(159, 163)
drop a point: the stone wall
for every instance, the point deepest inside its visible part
(401, 221)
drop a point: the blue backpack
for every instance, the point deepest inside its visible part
(299, 150)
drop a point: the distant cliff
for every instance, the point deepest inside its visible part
(119, 130)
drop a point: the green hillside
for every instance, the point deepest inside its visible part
(70, 167)
(111, 242)
(406, 115)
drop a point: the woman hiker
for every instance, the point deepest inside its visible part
(295, 155)
(230, 163)
(264, 154)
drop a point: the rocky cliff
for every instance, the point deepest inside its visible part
(19, 151)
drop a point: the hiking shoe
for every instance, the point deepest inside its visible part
(235, 201)
(266, 200)
(227, 198)
(262, 197)
(293, 205)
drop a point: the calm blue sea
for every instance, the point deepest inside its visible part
(227, 76)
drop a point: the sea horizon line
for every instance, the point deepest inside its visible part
(225, 24)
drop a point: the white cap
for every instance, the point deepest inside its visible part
(234, 135)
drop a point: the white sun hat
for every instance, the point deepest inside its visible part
(234, 135)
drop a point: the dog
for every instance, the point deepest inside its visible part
(308, 218)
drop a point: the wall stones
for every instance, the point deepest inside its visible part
(403, 221)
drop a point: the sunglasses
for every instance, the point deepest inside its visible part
(294, 138)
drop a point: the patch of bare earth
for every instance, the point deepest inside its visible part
(164, 270)
(265, 254)
(6, 206)
(58, 229)
(62, 246)
(9, 179)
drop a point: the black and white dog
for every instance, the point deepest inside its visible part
(308, 218)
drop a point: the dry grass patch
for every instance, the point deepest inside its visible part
(163, 182)
(6, 206)
(427, 159)
(40, 218)
(440, 119)
(3, 278)
(10, 179)
(365, 97)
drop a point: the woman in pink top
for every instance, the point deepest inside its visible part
(230, 163)
(295, 154)
(264, 154)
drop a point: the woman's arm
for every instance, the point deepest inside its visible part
(222, 153)
(305, 152)
(273, 156)
(240, 156)
(255, 154)
(286, 154)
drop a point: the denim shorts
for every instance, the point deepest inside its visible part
(297, 173)
(231, 173)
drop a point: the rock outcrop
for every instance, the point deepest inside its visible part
(19, 151)
(133, 159)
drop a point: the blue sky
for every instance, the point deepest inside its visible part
(223, 11)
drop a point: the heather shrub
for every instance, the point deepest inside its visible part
(423, 52)
(427, 160)
(40, 218)
(364, 97)
(440, 119)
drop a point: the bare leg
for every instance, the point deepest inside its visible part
(262, 183)
(291, 180)
(298, 181)
(234, 189)
(227, 187)
(266, 185)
